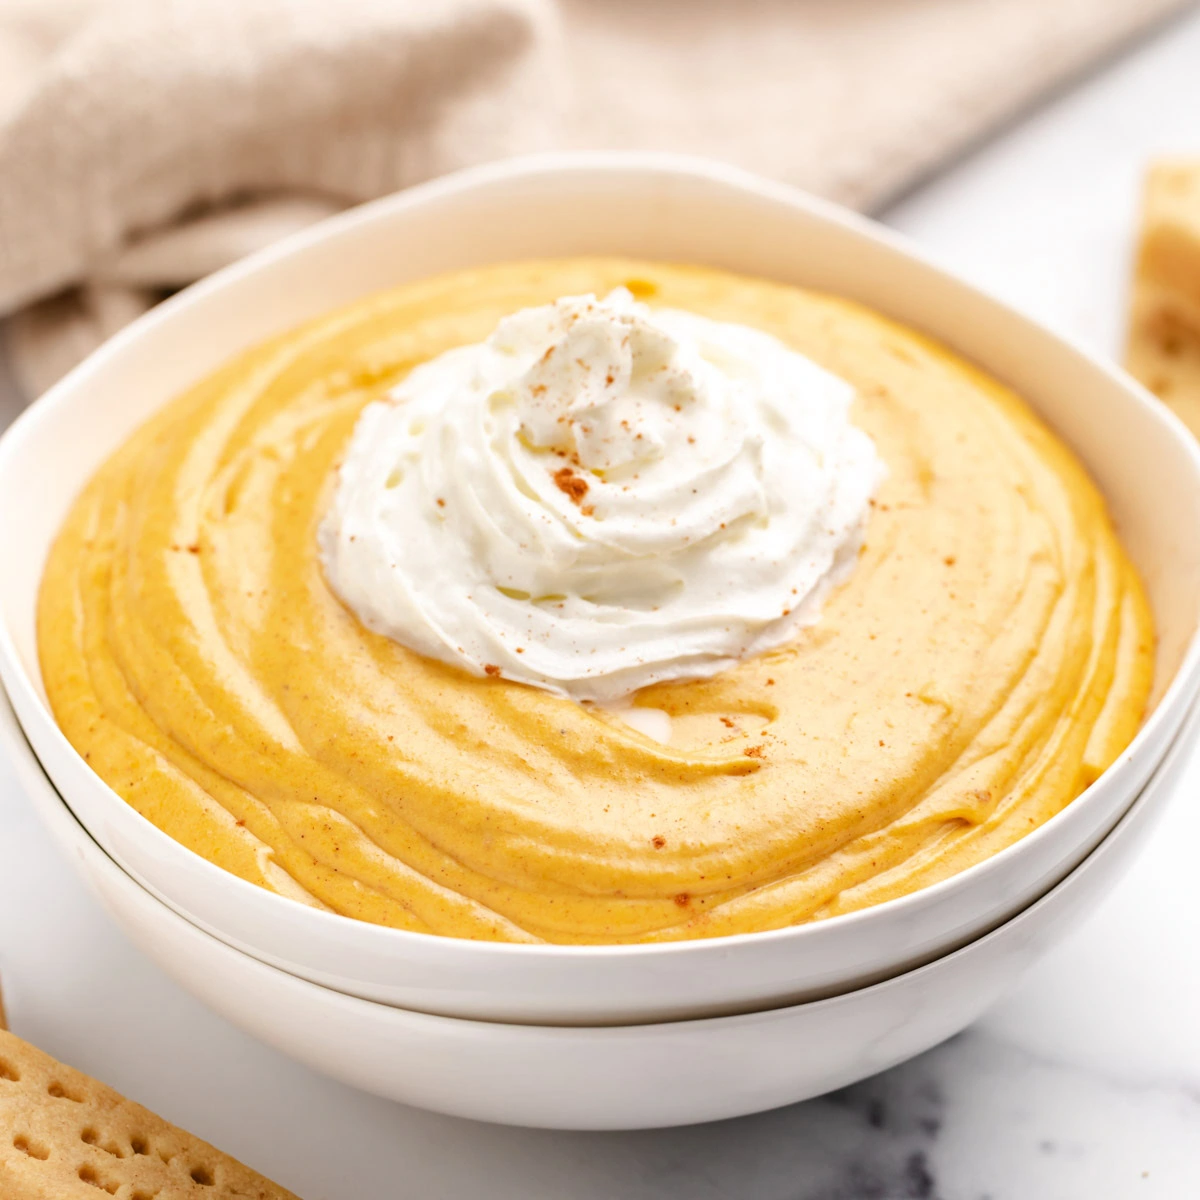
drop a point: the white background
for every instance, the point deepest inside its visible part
(1083, 1085)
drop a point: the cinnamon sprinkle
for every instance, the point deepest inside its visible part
(573, 485)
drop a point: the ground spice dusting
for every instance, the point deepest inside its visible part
(570, 483)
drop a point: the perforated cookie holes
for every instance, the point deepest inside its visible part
(32, 1148)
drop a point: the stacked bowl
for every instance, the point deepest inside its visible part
(617, 1036)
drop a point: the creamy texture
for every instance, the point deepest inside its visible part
(599, 497)
(989, 655)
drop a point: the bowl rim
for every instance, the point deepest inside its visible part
(88, 848)
(1176, 696)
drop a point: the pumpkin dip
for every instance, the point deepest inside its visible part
(989, 654)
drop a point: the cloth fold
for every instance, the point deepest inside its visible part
(144, 143)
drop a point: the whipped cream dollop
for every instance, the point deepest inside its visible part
(599, 497)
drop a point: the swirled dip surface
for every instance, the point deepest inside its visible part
(599, 497)
(989, 654)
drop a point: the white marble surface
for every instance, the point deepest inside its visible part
(1083, 1085)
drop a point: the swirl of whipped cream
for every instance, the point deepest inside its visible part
(599, 497)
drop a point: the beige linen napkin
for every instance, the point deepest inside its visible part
(144, 143)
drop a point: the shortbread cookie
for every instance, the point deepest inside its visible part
(1164, 355)
(1164, 331)
(63, 1136)
(1169, 252)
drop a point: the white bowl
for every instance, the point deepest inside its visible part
(629, 1077)
(651, 206)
